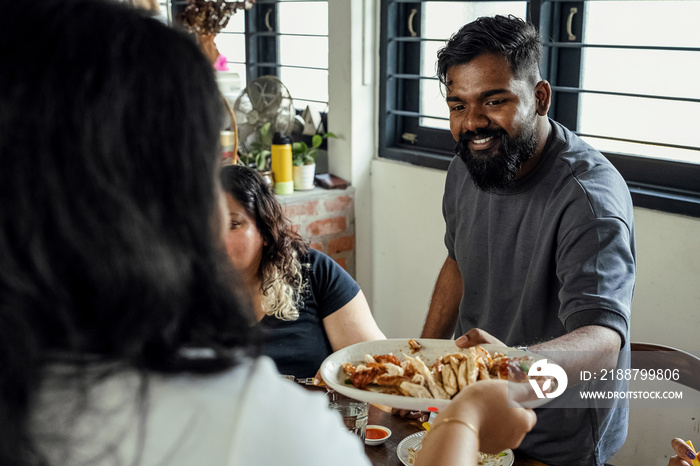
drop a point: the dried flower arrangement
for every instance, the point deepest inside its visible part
(204, 17)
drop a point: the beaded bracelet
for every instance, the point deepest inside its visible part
(459, 421)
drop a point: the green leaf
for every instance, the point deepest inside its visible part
(265, 139)
(261, 159)
(316, 141)
(312, 155)
(299, 148)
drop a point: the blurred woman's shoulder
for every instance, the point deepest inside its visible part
(177, 419)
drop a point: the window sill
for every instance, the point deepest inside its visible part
(660, 199)
(418, 157)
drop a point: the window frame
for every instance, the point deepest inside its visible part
(654, 183)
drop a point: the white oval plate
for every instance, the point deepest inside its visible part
(335, 377)
(414, 441)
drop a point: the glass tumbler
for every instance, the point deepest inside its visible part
(353, 412)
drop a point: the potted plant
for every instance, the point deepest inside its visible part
(304, 161)
(259, 155)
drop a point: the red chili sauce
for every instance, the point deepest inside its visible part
(375, 434)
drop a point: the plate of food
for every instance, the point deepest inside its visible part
(411, 445)
(422, 373)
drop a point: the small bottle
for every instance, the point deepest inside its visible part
(282, 163)
(431, 418)
(227, 155)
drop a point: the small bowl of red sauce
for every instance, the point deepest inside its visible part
(376, 435)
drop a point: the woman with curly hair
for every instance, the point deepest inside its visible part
(306, 304)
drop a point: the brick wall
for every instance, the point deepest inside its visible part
(325, 218)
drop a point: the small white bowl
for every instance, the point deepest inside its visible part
(378, 441)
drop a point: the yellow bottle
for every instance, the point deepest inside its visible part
(694, 462)
(282, 164)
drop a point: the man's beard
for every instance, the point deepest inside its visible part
(491, 171)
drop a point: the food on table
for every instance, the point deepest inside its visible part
(414, 345)
(483, 458)
(449, 374)
(412, 452)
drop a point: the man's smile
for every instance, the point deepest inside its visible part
(480, 143)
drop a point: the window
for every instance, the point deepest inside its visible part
(656, 51)
(284, 38)
(623, 78)
(439, 17)
(287, 39)
(416, 126)
(231, 42)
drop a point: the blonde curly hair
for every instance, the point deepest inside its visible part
(283, 291)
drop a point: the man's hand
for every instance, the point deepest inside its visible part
(476, 336)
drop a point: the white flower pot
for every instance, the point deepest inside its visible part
(303, 176)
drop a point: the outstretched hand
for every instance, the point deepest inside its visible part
(491, 418)
(502, 422)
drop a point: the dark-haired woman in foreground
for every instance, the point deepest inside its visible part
(122, 338)
(307, 305)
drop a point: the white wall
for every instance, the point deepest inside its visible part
(408, 248)
(352, 96)
(666, 307)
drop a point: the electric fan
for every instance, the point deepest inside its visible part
(265, 100)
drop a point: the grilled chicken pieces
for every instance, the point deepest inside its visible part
(443, 380)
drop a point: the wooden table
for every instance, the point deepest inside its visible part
(385, 454)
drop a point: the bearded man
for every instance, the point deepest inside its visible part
(539, 231)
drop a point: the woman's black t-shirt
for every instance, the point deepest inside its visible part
(298, 347)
